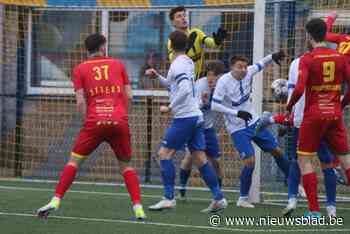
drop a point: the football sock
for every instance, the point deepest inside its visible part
(184, 176)
(330, 182)
(310, 186)
(132, 183)
(283, 164)
(168, 177)
(293, 179)
(66, 180)
(211, 179)
(246, 180)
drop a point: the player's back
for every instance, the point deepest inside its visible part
(326, 70)
(181, 69)
(103, 80)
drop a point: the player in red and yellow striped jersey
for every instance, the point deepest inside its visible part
(102, 90)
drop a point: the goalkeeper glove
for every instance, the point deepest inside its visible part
(278, 56)
(190, 41)
(219, 36)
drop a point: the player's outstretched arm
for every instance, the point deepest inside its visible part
(333, 37)
(331, 17)
(277, 57)
(153, 72)
(212, 42)
(217, 106)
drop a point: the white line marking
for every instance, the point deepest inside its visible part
(92, 192)
(145, 186)
(266, 202)
(304, 206)
(175, 225)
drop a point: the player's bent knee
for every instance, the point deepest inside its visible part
(186, 162)
(125, 169)
(124, 164)
(76, 160)
(305, 164)
(199, 158)
(165, 153)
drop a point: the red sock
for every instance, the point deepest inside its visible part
(347, 172)
(67, 177)
(132, 183)
(310, 186)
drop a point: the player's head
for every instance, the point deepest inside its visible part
(214, 70)
(316, 29)
(178, 17)
(178, 41)
(238, 66)
(95, 43)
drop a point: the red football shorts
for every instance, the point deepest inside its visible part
(313, 130)
(116, 134)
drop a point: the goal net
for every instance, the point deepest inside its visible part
(41, 43)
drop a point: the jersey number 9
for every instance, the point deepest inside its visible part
(328, 71)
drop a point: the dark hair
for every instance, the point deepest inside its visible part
(216, 66)
(94, 41)
(174, 10)
(237, 58)
(317, 29)
(178, 41)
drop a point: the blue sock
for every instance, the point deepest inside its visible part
(211, 179)
(293, 179)
(220, 182)
(184, 175)
(283, 164)
(246, 180)
(330, 182)
(168, 177)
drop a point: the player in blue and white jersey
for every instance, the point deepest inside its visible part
(232, 97)
(186, 127)
(204, 90)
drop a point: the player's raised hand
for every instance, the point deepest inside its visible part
(151, 72)
(219, 36)
(164, 109)
(333, 15)
(277, 57)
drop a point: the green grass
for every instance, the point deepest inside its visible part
(106, 209)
